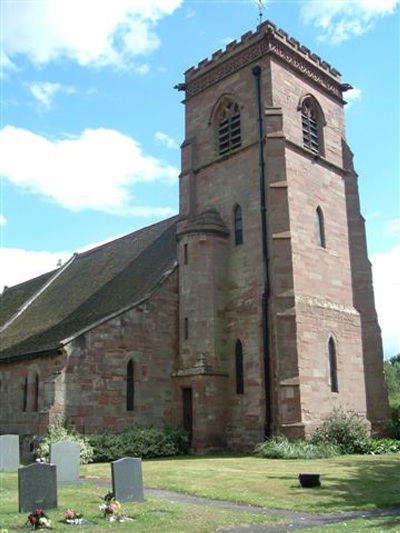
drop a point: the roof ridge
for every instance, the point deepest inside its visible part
(135, 233)
(30, 300)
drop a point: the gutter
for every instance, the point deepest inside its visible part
(265, 259)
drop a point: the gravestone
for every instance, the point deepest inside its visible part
(37, 487)
(127, 479)
(66, 456)
(9, 453)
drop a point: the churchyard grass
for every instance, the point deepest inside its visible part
(155, 515)
(348, 483)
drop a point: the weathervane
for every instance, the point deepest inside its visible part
(260, 6)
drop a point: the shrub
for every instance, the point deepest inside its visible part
(62, 430)
(394, 423)
(383, 446)
(139, 441)
(282, 448)
(348, 431)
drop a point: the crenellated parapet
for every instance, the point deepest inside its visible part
(267, 40)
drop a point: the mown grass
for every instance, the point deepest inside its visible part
(154, 515)
(348, 483)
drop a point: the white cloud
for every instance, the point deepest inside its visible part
(386, 268)
(392, 226)
(44, 93)
(3, 220)
(90, 32)
(352, 96)
(20, 265)
(96, 170)
(166, 140)
(339, 20)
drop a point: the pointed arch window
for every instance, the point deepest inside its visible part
(229, 129)
(239, 367)
(36, 393)
(333, 378)
(25, 397)
(320, 227)
(238, 225)
(130, 386)
(312, 123)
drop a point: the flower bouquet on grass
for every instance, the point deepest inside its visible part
(73, 517)
(112, 509)
(38, 519)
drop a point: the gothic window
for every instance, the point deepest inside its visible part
(312, 122)
(185, 254)
(333, 378)
(320, 227)
(239, 368)
(186, 328)
(238, 224)
(36, 394)
(25, 397)
(229, 133)
(130, 386)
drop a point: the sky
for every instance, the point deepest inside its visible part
(91, 125)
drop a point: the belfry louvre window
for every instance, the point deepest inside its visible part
(229, 132)
(312, 123)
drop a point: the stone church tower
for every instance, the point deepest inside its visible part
(277, 321)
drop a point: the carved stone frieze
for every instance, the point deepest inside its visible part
(223, 66)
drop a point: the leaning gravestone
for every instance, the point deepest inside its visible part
(66, 456)
(127, 479)
(9, 453)
(37, 487)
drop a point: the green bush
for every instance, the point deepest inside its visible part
(347, 431)
(62, 430)
(383, 446)
(139, 441)
(394, 423)
(282, 448)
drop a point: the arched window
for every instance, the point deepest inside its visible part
(238, 225)
(239, 368)
(229, 133)
(320, 227)
(36, 393)
(312, 123)
(333, 378)
(25, 397)
(130, 386)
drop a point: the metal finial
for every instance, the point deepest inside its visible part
(260, 6)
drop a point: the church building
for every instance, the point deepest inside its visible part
(250, 313)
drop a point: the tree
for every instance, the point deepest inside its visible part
(392, 376)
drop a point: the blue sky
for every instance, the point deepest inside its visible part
(90, 123)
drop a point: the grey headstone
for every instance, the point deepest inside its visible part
(9, 453)
(127, 479)
(37, 487)
(66, 456)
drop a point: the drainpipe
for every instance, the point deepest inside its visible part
(265, 295)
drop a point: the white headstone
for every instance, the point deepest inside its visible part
(9, 453)
(66, 456)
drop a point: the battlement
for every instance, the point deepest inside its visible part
(268, 39)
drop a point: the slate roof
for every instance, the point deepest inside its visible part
(38, 315)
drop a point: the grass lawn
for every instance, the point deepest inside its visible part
(348, 483)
